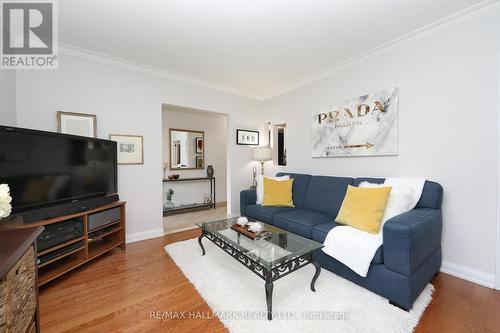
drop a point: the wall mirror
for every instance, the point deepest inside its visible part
(187, 149)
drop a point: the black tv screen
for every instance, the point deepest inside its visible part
(44, 168)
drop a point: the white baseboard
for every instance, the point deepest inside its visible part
(183, 229)
(469, 274)
(143, 235)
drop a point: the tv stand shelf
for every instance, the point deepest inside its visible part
(94, 242)
(60, 246)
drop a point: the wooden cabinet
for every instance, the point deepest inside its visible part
(93, 241)
(19, 281)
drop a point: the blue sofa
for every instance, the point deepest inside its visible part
(402, 266)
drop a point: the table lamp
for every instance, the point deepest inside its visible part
(262, 154)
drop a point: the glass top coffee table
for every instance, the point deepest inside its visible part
(271, 257)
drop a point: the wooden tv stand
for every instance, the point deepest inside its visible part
(92, 243)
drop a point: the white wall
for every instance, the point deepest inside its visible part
(8, 97)
(129, 102)
(448, 129)
(214, 127)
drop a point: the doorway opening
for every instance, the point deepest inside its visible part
(194, 146)
(279, 144)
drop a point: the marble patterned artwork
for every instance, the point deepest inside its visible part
(362, 126)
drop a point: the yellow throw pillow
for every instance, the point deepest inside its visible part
(363, 208)
(278, 193)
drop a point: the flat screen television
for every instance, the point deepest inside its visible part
(51, 174)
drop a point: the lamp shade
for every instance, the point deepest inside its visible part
(262, 154)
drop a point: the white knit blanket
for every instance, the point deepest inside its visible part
(355, 248)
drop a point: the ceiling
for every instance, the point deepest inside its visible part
(258, 48)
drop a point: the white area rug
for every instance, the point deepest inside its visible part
(237, 297)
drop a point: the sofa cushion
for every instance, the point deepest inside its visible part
(325, 194)
(264, 214)
(321, 230)
(300, 221)
(358, 181)
(299, 188)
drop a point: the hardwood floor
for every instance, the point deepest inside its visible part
(186, 220)
(118, 293)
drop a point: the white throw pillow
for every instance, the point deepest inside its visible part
(260, 186)
(416, 185)
(400, 201)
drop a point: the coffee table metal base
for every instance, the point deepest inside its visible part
(268, 275)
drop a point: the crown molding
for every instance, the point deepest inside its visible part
(466, 15)
(151, 70)
(483, 8)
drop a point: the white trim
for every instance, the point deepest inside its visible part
(469, 274)
(143, 235)
(497, 252)
(468, 14)
(146, 69)
(174, 231)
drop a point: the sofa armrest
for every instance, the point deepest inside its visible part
(247, 197)
(410, 238)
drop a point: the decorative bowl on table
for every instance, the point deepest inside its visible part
(255, 227)
(242, 221)
(252, 230)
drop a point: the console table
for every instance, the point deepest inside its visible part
(180, 208)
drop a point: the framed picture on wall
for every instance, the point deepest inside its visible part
(130, 148)
(199, 162)
(74, 123)
(199, 145)
(247, 137)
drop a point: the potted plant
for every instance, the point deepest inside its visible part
(168, 202)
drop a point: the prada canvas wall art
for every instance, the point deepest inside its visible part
(362, 126)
